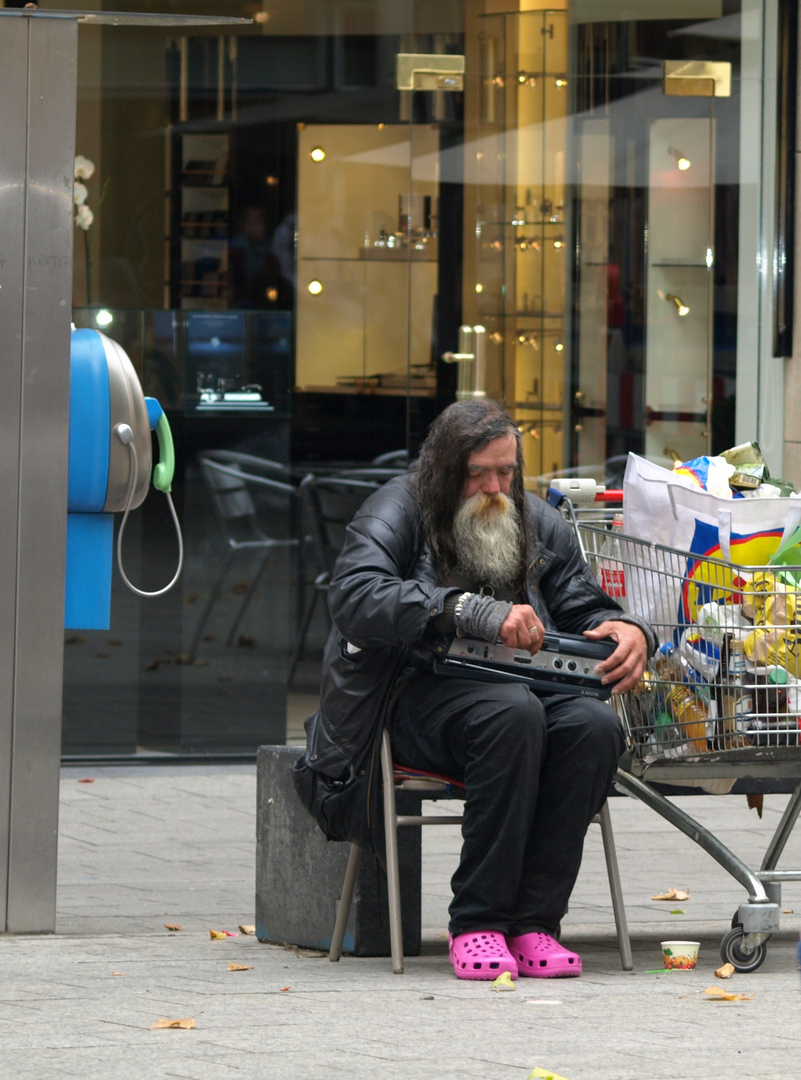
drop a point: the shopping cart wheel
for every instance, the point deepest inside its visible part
(736, 924)
(732, 952)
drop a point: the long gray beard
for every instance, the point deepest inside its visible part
(486, 534)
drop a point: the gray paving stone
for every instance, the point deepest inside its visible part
(144, 847)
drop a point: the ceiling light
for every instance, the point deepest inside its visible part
(682, 161)
(671, 298)
(315, 287)
(104, 318)
(317, 154)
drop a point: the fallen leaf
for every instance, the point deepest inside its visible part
(248, 929)
(87, 780)
(245, 641)
(725, 972)
(310, 954)
(788, 911)
(215, 935)
(114, 641)
(163, 1022)
(285, 988)
(240, 588)
(503, 982)
(677, 911)
(672, 894)
(755, 803)
(118, 973)
(239, 967)
(544, 1074)
(717, 993)
(172, 926)
(75, 639)
(153, 665)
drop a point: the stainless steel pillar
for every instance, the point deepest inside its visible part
(37, 118)
(37, 151)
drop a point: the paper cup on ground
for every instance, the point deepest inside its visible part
(681, 955)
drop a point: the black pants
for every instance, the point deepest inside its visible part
(536, 769)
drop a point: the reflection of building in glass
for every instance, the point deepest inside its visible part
(558, 209)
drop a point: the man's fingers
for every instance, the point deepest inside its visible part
(522, 629)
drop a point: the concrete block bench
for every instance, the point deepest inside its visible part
(299, 873)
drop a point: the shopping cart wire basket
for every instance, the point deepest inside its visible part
(720, 700)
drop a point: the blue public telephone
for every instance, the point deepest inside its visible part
(110, 463)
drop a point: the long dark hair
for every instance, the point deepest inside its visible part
(441, 472)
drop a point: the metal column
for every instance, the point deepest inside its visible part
(37, 118)
(38, 84)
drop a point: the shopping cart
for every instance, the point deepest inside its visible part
(720, 700)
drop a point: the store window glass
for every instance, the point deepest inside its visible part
(313, 232)
(246, 278)
(618, 202)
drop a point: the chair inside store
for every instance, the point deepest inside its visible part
(329, 503)
(257, 507)
(432, 786)
(393, 459)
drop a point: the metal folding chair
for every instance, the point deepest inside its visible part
(329, 504)
(396, 778)
(236, 483)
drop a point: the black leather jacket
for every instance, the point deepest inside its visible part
(384, 599)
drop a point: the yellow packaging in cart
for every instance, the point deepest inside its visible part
(776, 637)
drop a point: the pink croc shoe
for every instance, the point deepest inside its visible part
(482, 955)
(539, 956)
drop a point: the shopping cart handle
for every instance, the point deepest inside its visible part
(555, 497)
(577, 489)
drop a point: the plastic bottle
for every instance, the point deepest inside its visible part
(737, 665)
(691, 716)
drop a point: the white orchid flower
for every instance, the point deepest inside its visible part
(79, 193)
(84, 217)
(83, 167)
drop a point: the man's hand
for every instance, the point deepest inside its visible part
(522, 629)
(627, 663)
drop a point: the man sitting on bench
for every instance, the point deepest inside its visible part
(456, 546)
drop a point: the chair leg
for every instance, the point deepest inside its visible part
(393, 870)
(610, 854)
(251, 589)
(345, 902)
(301, 638)
(213, 597)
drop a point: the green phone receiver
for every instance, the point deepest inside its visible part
(165, 470)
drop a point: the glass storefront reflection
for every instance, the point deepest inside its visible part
(157, 681)
(287, 245)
